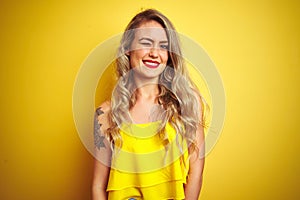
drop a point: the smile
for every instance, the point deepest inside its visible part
(151, 64)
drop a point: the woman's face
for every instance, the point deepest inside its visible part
(148, 53)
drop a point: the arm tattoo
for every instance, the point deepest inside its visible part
(99, 111)
(98, 137)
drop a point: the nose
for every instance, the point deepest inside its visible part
(153, 52)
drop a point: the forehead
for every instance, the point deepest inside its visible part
(151, 29)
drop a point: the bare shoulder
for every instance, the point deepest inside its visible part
(103, 108)
(102, 115)
(200, 101)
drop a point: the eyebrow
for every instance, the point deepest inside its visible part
(149, 39)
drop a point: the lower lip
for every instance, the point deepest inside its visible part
(151, 66)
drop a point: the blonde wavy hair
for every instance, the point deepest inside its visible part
(178, 95)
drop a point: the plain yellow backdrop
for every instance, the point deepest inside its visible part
(254, 44)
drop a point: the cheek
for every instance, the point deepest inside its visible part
(139, 54)
(136, 56)
(165, 57)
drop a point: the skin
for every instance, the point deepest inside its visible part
(150, 43)
(195, 174)
(101, 169)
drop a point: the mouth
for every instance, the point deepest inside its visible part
(151, 63)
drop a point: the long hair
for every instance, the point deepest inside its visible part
(178, 95)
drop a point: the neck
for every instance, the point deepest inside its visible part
(147, 92)
(146, 88)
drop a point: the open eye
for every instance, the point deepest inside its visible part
(164, 46)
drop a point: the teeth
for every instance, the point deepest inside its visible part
(151, 63)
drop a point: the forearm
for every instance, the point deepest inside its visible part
(99, 193)
(194, 180)
(193, 187)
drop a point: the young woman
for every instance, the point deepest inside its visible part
(149, 139)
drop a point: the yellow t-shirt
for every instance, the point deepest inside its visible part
(146, 168)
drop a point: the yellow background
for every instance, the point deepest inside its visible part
(254, 44)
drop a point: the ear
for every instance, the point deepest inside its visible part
(127, 53)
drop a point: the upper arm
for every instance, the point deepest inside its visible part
(102, 147)
(197, 156)
(196, 161)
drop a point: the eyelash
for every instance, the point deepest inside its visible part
(161, 46)
(164, 46)
(146, 43)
